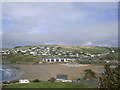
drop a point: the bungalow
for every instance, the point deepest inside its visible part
(44, 54)
(55, 60)
(33, 53)
(62, 78)
(23, 51)
(92, 56)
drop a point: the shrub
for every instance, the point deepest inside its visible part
(110, 78)
(52, 79)
(78, 80)
(89, 74)
(14, 81)
(84, 62)
(6, 82)
(36, 80)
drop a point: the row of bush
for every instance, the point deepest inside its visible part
(35, 81)
(17, 81)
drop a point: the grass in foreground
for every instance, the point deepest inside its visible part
(48, 85)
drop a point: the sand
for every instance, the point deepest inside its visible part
(45, 72)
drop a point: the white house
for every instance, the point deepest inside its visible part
(33, 53)
(113, 51)
(44, 54)
(24, 81)
(92, 55)
(23, 51)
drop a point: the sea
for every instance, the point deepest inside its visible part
(8, 73)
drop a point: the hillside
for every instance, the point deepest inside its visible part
(88, 49)
(35, 54)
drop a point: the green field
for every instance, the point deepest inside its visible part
(95, 50)
(87, 49)
(48, 85)
(22, 59)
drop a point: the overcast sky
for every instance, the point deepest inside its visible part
(66, 23)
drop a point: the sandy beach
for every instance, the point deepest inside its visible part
(45, 72)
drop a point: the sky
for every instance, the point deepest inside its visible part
(64, 23)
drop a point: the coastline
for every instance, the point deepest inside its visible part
(13, 73)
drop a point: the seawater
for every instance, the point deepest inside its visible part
(8, 73)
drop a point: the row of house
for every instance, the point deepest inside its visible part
(68, 59)
(50, 51)
(41, 51)
(57, 59)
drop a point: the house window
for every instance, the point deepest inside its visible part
(57, 60)
(52, 60)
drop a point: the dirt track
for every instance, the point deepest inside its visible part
(45, 72)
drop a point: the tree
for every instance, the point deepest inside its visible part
(52, 79)
(89, 74)
(110, 77)
(78, 80)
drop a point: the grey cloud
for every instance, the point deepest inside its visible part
(66, 24)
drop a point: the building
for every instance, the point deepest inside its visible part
(62, 78)
(55, 59)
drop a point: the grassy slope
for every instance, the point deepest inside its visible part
(88, 49)
(35, 59)
(22, 58)
(47, 85)
(27, 47)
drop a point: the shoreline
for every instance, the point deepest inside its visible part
(12, 73)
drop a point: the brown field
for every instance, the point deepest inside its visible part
(75, 47)
(62, 46)
(45, 72)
